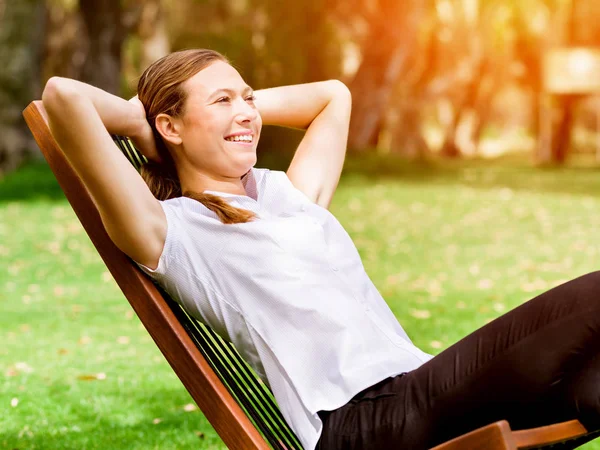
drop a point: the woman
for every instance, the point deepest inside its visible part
(256, 255)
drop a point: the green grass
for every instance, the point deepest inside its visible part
(450, 247)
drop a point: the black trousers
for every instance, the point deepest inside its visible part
(536, 365)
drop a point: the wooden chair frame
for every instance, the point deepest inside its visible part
(212, 397)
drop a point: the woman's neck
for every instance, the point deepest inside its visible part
(199, 182)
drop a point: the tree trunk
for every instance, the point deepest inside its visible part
(407, 133)
(392, 37)
(21, 38)
(370, 92)
(152, 31)
(106, 33)
(407, 137)
(319, 46)
(65, 43)
(450, 148)
(536, 125)
(561, 135)
(496, 78)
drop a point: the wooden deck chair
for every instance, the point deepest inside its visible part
(238, 405)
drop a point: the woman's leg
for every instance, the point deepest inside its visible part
(535, 365)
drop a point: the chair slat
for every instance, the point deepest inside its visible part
(251, 380)
(129, 150)
(226, 376)
(251, 387)
(264, 395)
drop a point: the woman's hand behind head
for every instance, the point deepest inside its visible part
(143, 138)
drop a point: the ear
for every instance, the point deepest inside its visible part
(169, 128)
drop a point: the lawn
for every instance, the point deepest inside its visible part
(450, 246)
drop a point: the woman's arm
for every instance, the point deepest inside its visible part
(79, 117)
(323, 109)
(124, 118)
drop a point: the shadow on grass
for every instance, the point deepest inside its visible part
(34, 181)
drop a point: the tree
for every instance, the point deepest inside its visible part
(480, 49)
(106, 33)
(152, 31)
(284, 43)
(569, 21)
(21, 37)
(406, 114)
(578, 14)
(147, 41)
(457, 61)
(85, 40)
(390, 39)
(301, 43)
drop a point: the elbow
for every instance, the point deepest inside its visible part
(52, 91)
(341, 97)
(57, 94)
(340, 90)
(341, 101)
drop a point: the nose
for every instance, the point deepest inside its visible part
(245, 111)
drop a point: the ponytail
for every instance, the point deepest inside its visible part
(224, 211)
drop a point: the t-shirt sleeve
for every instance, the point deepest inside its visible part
(170, 244)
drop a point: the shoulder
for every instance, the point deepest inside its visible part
(274, 181)
(277, 185)
(262, 176)
(184, 216)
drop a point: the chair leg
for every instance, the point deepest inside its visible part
(496, 436)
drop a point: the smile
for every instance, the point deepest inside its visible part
(246, 138)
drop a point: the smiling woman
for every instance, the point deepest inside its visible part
(207, 122)
(190, 107)
(256, 255)
(204, 211)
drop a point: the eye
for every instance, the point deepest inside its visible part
(251, 98)
(223, 100)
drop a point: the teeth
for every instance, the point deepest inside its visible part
(243, 138)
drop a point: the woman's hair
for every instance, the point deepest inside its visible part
(160, 90)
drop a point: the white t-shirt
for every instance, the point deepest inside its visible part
(290, 292)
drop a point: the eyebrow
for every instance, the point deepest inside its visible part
(230, 91)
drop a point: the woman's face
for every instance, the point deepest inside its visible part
(220, 125)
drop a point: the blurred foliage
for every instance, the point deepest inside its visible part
(427, 76)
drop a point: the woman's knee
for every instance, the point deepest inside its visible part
(591, 279)
(583, 290)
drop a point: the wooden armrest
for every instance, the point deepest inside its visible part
(550, 434)
(498, 436)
